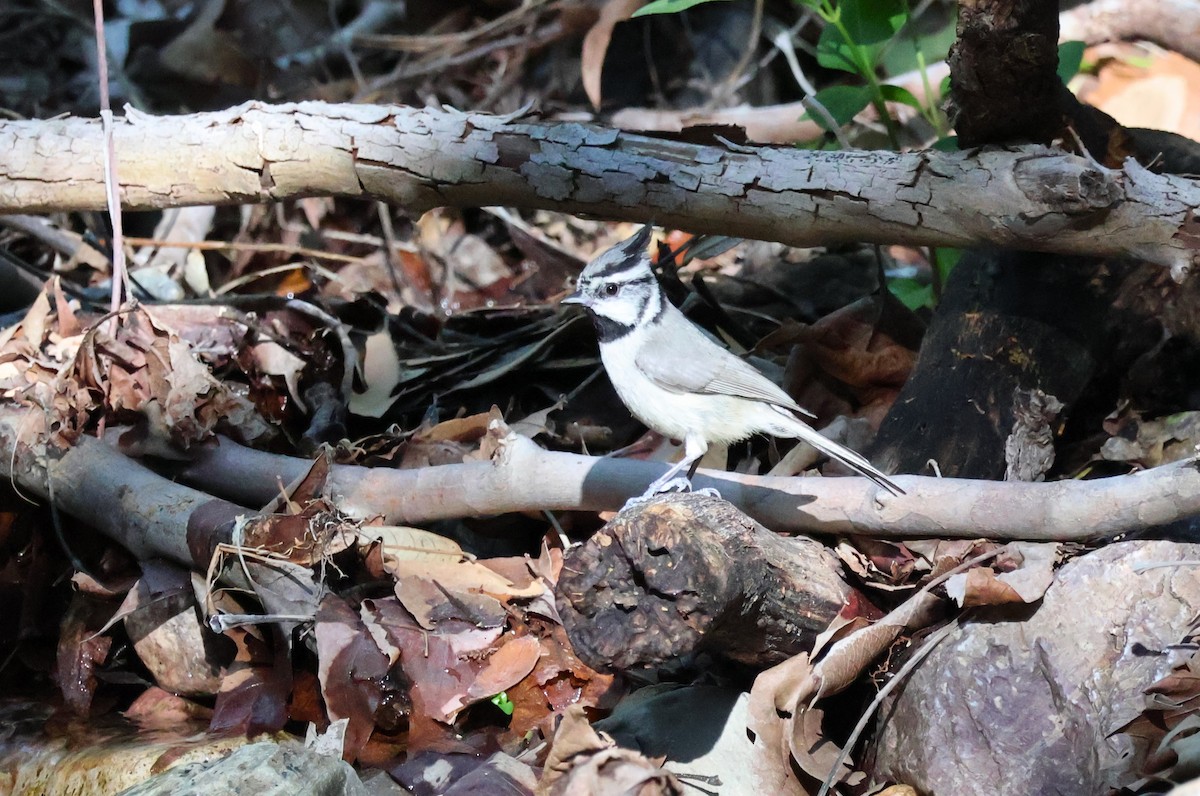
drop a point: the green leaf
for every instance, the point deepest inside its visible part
(834, 52)
(923, 43)
(900, 94)
(868, 25)
(944, 260)
(912, 293)
(872, 21)
(502, 701)
(946, 144)
(842, 102)
(669, 7)
(1070, 56)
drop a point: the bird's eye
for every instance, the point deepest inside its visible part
(612, 289)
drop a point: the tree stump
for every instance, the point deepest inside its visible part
(691, 573)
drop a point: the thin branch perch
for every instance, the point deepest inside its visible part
(154, 516)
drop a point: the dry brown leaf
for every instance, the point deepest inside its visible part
(882, 564)
(441, 664)
(815, 753)
(595, 44)
(81, 649)
(1164, 734)
(559, 679)
(1151, 442)
(1162, 94)
(273, 359)
(506, 667)
(68, 324)
(430, 603)
(462, 577)
(843, 625)
(849, 657)
(770, 712)
(146, 368)
(209, 55)
(413, 544)
(584, 762)
(254, 692)
(1026, 584)
(852, 347)
(351, 669)
(460, 429)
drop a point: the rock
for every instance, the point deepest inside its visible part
(258, 769)
(701, 730)
(1012, 704)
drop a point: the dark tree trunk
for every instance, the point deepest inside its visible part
(1003, 72)
(1008, 321)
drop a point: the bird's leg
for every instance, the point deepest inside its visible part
(694, 448)
(708, 490)
(670, 481)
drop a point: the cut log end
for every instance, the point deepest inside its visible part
(690, 573)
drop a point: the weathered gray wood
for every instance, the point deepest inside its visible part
(1029, 197)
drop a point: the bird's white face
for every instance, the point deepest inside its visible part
(619, 289)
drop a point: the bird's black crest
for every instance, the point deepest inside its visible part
(637, 243)
(631, 249)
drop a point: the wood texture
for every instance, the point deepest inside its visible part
(1030, 197)
(690, 573)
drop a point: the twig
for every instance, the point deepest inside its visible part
(110, 162)
(389, 239)
(219, 245)
(782, 42)
(733, 80)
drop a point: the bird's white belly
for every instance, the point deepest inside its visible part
(719, 419)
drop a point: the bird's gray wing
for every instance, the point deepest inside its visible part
(705, 368)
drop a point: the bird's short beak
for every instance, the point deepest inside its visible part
(575, 298)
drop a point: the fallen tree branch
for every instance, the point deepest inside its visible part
(523, 477)
(1029, 197)
(154, 516)
(147, 514)
(1174, 24)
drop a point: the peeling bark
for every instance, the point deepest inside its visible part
(1030, 197)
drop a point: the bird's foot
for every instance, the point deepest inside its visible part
(677, 484)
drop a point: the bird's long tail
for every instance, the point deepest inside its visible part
(851, 459)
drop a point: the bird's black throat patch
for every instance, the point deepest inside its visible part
(608, 330)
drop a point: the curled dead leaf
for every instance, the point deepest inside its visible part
(583, 761)
(1025, 584)
(595, 44)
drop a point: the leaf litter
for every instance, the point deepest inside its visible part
(400, 637)
(392, 641)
